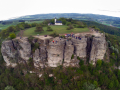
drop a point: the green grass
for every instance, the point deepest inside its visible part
(7, 25)
(58, 29)
(16, 22)
(29, 22)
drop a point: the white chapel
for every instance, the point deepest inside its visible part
(58, 22)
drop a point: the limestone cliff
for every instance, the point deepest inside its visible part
(16, 51)
(55, 53)
(98, 49)
(61, 52)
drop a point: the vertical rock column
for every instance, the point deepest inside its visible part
(80, 47)
(56, 53)
(25, 50)
(9, 53)
(69, 51)
(39, 57)
(98, 49)
(16, 50)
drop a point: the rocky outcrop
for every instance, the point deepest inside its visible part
(80, 47)
(98, 49)
(69, 51)
(25, 49)
(9, 53)
(14, 51)
(40, 57)
(61, 52)
(69, 57)
(56, 53)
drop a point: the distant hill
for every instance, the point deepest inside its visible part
(106, 20)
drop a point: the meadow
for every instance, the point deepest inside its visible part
(30, 22)
(7, 25)
(57, 29)
(2, 27)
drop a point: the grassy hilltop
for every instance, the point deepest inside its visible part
(58, 29)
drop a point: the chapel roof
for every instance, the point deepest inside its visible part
(58, 21)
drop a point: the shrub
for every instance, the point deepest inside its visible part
(35, 46)
(93, 35)
(109, 43)
(112, 47)
(78, 58)
(12, 35)
(39, 28)
(9, 88)
(70, 27)
(30, 63)
(93, 26)
(54, 34)
(88, 86)
(72, 56)
(80, 26)
(49, 29)
(68, 23)
(79, 71)
(95, 83)
(99, 63)
(81, 62)
(30, 39)
(62, 36)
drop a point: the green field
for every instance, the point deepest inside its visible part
(7, 25)
(58, 29)
(16, 22)
(29, 22)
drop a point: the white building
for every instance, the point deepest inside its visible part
(58, 22)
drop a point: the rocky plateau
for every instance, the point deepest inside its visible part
(45, 53)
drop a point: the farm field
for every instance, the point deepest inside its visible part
(57, 29)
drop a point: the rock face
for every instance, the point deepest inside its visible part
(25, 51)
(61, 52)
(39, 57)
(69, 51)
(80, 47)
(56, 53)
(98, 49)
(15, 51)
(9, 53)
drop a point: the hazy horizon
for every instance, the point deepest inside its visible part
(16, 8)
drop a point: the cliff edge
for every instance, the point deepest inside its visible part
(63, 51)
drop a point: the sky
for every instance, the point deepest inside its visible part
(16, 8)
